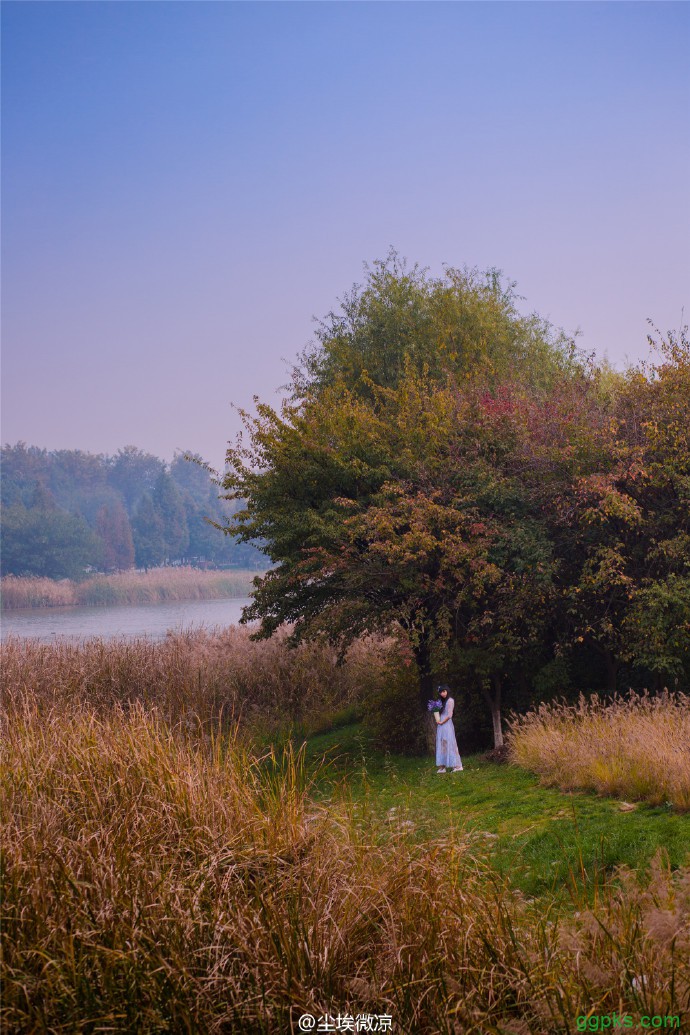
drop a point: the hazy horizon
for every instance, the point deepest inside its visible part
(186, 185)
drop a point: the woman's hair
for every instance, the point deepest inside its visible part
(443, 686)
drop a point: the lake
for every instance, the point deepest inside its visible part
(152, 620)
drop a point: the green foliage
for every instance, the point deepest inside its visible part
(114, 530)
(106, 493)
(657, 627)
(464, 323)
(148, 533)
(133, 472)
(192, 477)
(47, 542)
(626, 527)
(169, 507)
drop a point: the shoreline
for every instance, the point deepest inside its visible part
(156, 586)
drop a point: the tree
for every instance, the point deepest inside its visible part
(657, 627)
(465, 322)
(46, 541)
(385, 491)
(503, 505)
(655, 415)
(22, 468)
(205, 541)
(169, 507)
(133, 472)
(192, 476)
(147, 532)
(115, 532)
(77, 479)
(622, 525)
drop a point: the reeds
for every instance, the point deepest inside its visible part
(32, 591)
(204, 677)
(126, 587)
(156, 879)
(637, 747)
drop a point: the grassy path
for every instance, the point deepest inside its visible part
(547, 841)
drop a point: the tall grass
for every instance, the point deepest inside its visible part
(636, 747)
(198, 677)
(158, 880)
(127, 587)
(32, 591)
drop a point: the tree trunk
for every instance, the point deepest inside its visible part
(493, 699)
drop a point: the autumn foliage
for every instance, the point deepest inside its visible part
(457, 473)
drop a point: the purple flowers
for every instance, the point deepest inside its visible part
(435, 706)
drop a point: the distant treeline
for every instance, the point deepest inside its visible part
(66, 513)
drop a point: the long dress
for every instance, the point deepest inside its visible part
(447, 753)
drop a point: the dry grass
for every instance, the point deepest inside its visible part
(18, 592)
(127, 587)
(158, 880)
(197, 677)
(636, 748)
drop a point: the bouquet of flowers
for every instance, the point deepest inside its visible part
(436, 707)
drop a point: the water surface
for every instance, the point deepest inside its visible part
(129, 620)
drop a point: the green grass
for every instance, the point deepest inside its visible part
(548, 842)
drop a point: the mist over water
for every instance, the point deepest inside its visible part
(153, 620)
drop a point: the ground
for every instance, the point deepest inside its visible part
(550, 843)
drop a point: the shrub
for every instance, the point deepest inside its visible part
(392, 713)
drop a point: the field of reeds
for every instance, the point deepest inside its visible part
(637, 747)
(127, 587)
(206, 678)
(162, 872)
(159, 880)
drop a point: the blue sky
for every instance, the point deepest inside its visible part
(185, 185)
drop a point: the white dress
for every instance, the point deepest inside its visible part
(447, 753)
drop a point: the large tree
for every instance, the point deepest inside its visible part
(465, 323)
(133, 472)
(383, 491)
(454, 471)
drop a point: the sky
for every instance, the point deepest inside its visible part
(186, 185)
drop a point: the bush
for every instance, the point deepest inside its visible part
(392, 715)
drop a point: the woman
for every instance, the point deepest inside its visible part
(447, 754)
